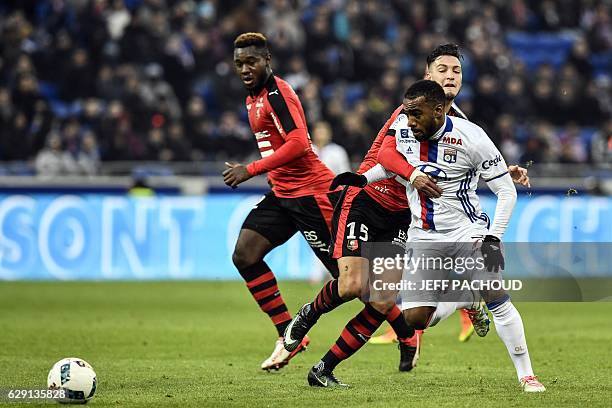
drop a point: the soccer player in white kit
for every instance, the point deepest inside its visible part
(457, 153)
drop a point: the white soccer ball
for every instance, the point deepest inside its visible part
(76, 377)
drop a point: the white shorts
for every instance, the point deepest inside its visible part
(446, 258)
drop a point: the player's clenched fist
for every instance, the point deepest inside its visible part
(348, 179)
(492, 253)
(235, 174)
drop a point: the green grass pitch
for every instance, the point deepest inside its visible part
(195, 344)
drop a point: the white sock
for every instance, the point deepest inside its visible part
(445, 309)
(510, 329)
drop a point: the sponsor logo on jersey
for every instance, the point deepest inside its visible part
(404, 133)
(259, 105)
(277, 123)
(452, 140)
(352, 244)
(382, 189)
(262, 135)
(433, 171)
(487, 164)
(450, 155)
(409, 150)
(273, 92)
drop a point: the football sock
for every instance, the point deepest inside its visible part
(262, 284)
(399, 325)
(355, 334)
(327, 299)
(509, 326)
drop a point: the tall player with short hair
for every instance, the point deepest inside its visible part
(443, 65)
(460, 153)
(300, 199)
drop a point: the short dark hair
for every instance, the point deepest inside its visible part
(431, 90)
(258, 40)
(444, 49)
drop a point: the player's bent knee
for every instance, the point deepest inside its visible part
(418, 317)
(383, 307)
(349, 287)
(250, 249)
(350, 278)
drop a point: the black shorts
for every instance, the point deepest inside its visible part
(359, 218)
(278, 219)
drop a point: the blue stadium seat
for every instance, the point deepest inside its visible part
(602, 64)
(540, 48)
(48, 90)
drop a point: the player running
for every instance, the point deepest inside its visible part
(457, 153)
(300, 199)
(378, 213)
(444, 67)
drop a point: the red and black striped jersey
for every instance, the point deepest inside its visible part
(279, 124)
(389, 192)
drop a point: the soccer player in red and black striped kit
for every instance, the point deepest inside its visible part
(376, 213)
(300, 199)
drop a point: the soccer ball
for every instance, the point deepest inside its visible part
(76, 377)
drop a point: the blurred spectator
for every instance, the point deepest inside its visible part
(333, 155)
(88, 157)
(601, 145)
(573, 150)
(152, 80)
(52, 160)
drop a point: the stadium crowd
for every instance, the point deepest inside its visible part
(84, 81)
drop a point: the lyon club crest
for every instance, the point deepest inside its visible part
(450, 155)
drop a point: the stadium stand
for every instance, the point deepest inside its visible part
(84, 83)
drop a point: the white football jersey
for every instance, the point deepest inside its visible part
(457, 156)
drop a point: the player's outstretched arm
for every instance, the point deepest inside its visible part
(505, 191)
(235, 173)
(373, 175)
(394, 161)
(519, 175)
(296, 145)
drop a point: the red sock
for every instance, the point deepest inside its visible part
(262, 284)
(399, 325)
(356, 333)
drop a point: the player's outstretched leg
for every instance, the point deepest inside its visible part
(476, 313)
(326, 300)
(510, 329)
(355, 334)
(408, 339)
(348, 286)
(261, 282)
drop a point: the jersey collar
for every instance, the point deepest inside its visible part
(265, 85)
(445, 128)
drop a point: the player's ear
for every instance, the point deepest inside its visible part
(427, 73)
(439, 110)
